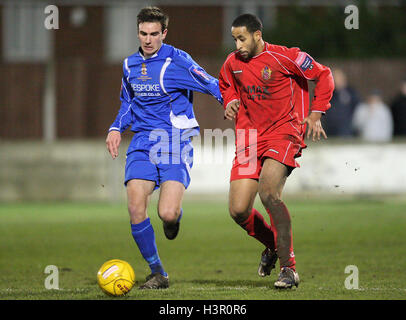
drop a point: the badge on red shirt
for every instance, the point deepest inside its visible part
(304, 61)
(266, 73)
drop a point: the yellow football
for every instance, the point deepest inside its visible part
(116, 277)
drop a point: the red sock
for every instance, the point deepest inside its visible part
(257, 227)
(280, 219)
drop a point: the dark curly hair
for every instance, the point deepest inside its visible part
(251, 22)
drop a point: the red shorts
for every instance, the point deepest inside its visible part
(248, 165)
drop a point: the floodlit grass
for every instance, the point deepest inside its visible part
(212, 257)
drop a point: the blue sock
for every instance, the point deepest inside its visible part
(144, 237)
(180, 216)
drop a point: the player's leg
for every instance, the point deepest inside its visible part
(174, 178)
(271, 183)
(241, 200)
(243, 212)
(170, 206)
(138, 194)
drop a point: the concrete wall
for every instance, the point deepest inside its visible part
(83, 171)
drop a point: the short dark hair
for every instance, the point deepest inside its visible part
(250, 21)
(153, 14)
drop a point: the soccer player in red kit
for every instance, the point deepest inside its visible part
(265, 90)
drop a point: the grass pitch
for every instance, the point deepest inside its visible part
(212, 257)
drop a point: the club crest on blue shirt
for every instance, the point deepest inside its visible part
(143, 69)
(266, 73)
(144, 74)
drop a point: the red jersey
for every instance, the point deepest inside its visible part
(273, 91)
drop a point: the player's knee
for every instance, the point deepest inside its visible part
(269, 197)
(239, 213)
(137, 212)
(169, 215)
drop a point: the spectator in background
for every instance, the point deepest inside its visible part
(398, 108)
(338, 119)
(373, 120)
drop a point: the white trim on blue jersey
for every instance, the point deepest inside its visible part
(157, 91)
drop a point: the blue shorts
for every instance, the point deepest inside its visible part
(160, 167)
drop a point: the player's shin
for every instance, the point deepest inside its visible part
(282, 229)
(144, 237)
(257, 228)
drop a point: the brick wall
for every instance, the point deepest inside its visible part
(87, 88)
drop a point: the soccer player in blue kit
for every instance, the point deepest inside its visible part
(157, 102)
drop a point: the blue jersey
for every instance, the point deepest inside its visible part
(157, 93)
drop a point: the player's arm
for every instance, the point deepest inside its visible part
(185, 73)
(303, 65)
(123, 119)
(310, 69)
(321, 100)
(229, 92)
(314, 126)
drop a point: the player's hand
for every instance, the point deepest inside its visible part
(113, 142)
(314, 126)
(232, 109)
